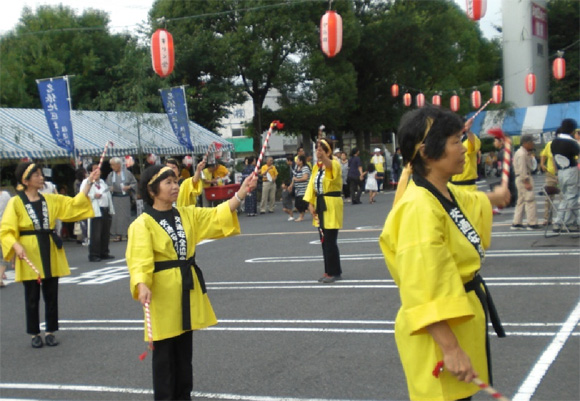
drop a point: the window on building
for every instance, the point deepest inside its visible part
(237, 132)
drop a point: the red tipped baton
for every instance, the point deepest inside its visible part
(104, 153)
(485, 387)
(38, 279)
(149, 331)
(274, 124)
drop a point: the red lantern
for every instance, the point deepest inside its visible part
(497, 94)
(331, 33)
(436, 100)
(476, 9)
(152, 158)
(454, 103)
(395, 90)
(407, 99)
(530, 83)
(162, 54)
(476, 99)
(559, 67)
(420, 99)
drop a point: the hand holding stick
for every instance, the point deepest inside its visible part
(104, 153)
(484, 386)
(274, 124)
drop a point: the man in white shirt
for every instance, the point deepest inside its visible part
(379, 161)
(100, 225)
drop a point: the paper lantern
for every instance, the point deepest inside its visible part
(187, 161)
(476, 99)
(559, 67)
(152, 158)
(407, 99)
(331, 33)
(476, 9)
(129, 161)
(162, 53)
(436, 100)
(497, 94)
(420, 99)
(395, 90)
(454, 103)
(530, 83)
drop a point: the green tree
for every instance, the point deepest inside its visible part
(564, 33)
(55, 41)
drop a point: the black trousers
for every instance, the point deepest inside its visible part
(354, 184)
(32, 299)
(172, 368)
(330, 252)
(100, 227)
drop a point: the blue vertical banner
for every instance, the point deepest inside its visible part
(54, 96)
(176, 109)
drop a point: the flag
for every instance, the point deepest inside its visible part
(176, 109)
(56, 104)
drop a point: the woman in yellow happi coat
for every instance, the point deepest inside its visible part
(161, 260)
(433, 242)
(27, 230)
(323, 194)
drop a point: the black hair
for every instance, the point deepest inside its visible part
(568, 126)
(173, 161)
(250, 159)
(289, 158)
(302, 158)
(412, 133)
(90, 170)
(144, 186)
(371, 168)
(80, 173)
(287, 183)
(21, 168)
(353, 152)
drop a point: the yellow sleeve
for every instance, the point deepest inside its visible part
(335, 172)
(69, 209)
(140, 255)
(274, 173)
(430, 286)
(263, 169)
(309, 195)
(188, 192)
(472, 147)
(212, 222)
(9, 231)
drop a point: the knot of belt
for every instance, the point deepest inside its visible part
(489, 309)
(187, 283)
(57, 240)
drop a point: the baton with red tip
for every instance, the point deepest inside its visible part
(38, 279)
(484, 386)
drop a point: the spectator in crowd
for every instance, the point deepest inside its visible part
(299, 152)
(551, 180)
(355, 176)
(287, 206)
(566, 151)
(269, 174)
(212, 175)
(174, 164)
(379, 162)
(100, 225)
(397, 167)
(525, 185)
(251, 200)
(122, 185)
(371, 185)
(344, 168)
(301, 176)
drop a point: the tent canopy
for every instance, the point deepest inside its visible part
(25, 133)
(526, 120)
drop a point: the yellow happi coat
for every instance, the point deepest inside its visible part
(149, 243)
(189, 191)
(16, 219)
(334, 205)
(430, 260)
(470, 167)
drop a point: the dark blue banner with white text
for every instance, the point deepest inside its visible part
(176, 109)
(54, 98)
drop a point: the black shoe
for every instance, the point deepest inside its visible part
(50, 340)
(105, 257)
(534, 227)
(36, 342)
(94, 259)
(517, 227)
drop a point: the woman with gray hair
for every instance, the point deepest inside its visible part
(122, 184)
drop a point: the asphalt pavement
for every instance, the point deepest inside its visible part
(282, 335)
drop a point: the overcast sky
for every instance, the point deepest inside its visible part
(127, 14)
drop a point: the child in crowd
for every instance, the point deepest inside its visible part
(371, 186)
(287, 205)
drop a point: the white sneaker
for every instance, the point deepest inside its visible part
(86, 242)
(290, 218)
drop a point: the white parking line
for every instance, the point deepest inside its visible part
(529, 386)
